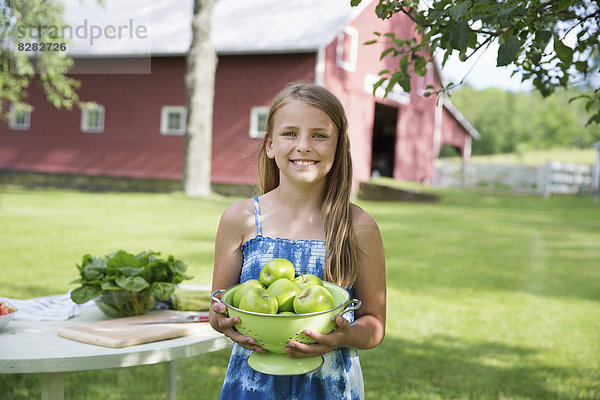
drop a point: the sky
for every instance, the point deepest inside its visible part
(482, 72)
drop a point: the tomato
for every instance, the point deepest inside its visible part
(5, 309)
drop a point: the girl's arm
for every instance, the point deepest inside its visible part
(368, 328)
(227, 268)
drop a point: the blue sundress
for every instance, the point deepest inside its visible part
(340, 376)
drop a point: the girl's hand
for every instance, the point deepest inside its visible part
(222, 323)
(325, 343)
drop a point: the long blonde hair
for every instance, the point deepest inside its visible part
(340, 261)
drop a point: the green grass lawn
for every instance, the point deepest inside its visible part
(489, 296)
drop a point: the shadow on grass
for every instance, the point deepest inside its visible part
(442, 367)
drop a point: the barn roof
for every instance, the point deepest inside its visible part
(238, 26)
(460, 118)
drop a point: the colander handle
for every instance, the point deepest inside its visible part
(351, 305)
(215, 294)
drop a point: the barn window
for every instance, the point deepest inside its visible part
(172, 120)
(347, 49)
(258, 122)
(92, 118)
(19, 117)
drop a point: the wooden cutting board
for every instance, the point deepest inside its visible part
(123, 332)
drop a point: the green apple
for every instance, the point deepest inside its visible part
(259, 300)
(313, 298)
(286, 313)
(243, 288)
(284, 291)
(306, 280)
(275, 269)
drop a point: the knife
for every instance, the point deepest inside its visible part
(191, 318)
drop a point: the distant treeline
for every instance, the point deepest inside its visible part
(515, 121)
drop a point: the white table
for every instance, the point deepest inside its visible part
(34, 347)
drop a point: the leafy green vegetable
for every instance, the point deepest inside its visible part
(143, 273)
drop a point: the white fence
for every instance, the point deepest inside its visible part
(553, 177)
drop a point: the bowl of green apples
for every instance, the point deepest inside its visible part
(278, 307)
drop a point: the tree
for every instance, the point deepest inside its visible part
(534, 36)
(524, 120)
(19, 40)
(200, 83)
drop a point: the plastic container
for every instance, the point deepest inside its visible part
(124, 303)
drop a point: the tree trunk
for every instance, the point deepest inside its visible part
(200, 87)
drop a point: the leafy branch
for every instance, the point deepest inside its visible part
(19, 68)
(532, 37)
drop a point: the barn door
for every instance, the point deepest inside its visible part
(384, 141)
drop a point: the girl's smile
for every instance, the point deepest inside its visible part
(304, 163)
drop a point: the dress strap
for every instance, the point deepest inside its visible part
(257, 215)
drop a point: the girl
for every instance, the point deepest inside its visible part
(304, 214)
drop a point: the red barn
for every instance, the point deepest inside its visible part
(136, 127)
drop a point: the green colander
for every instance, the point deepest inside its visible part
(274, 331)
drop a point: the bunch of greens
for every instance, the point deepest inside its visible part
(144, 273)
